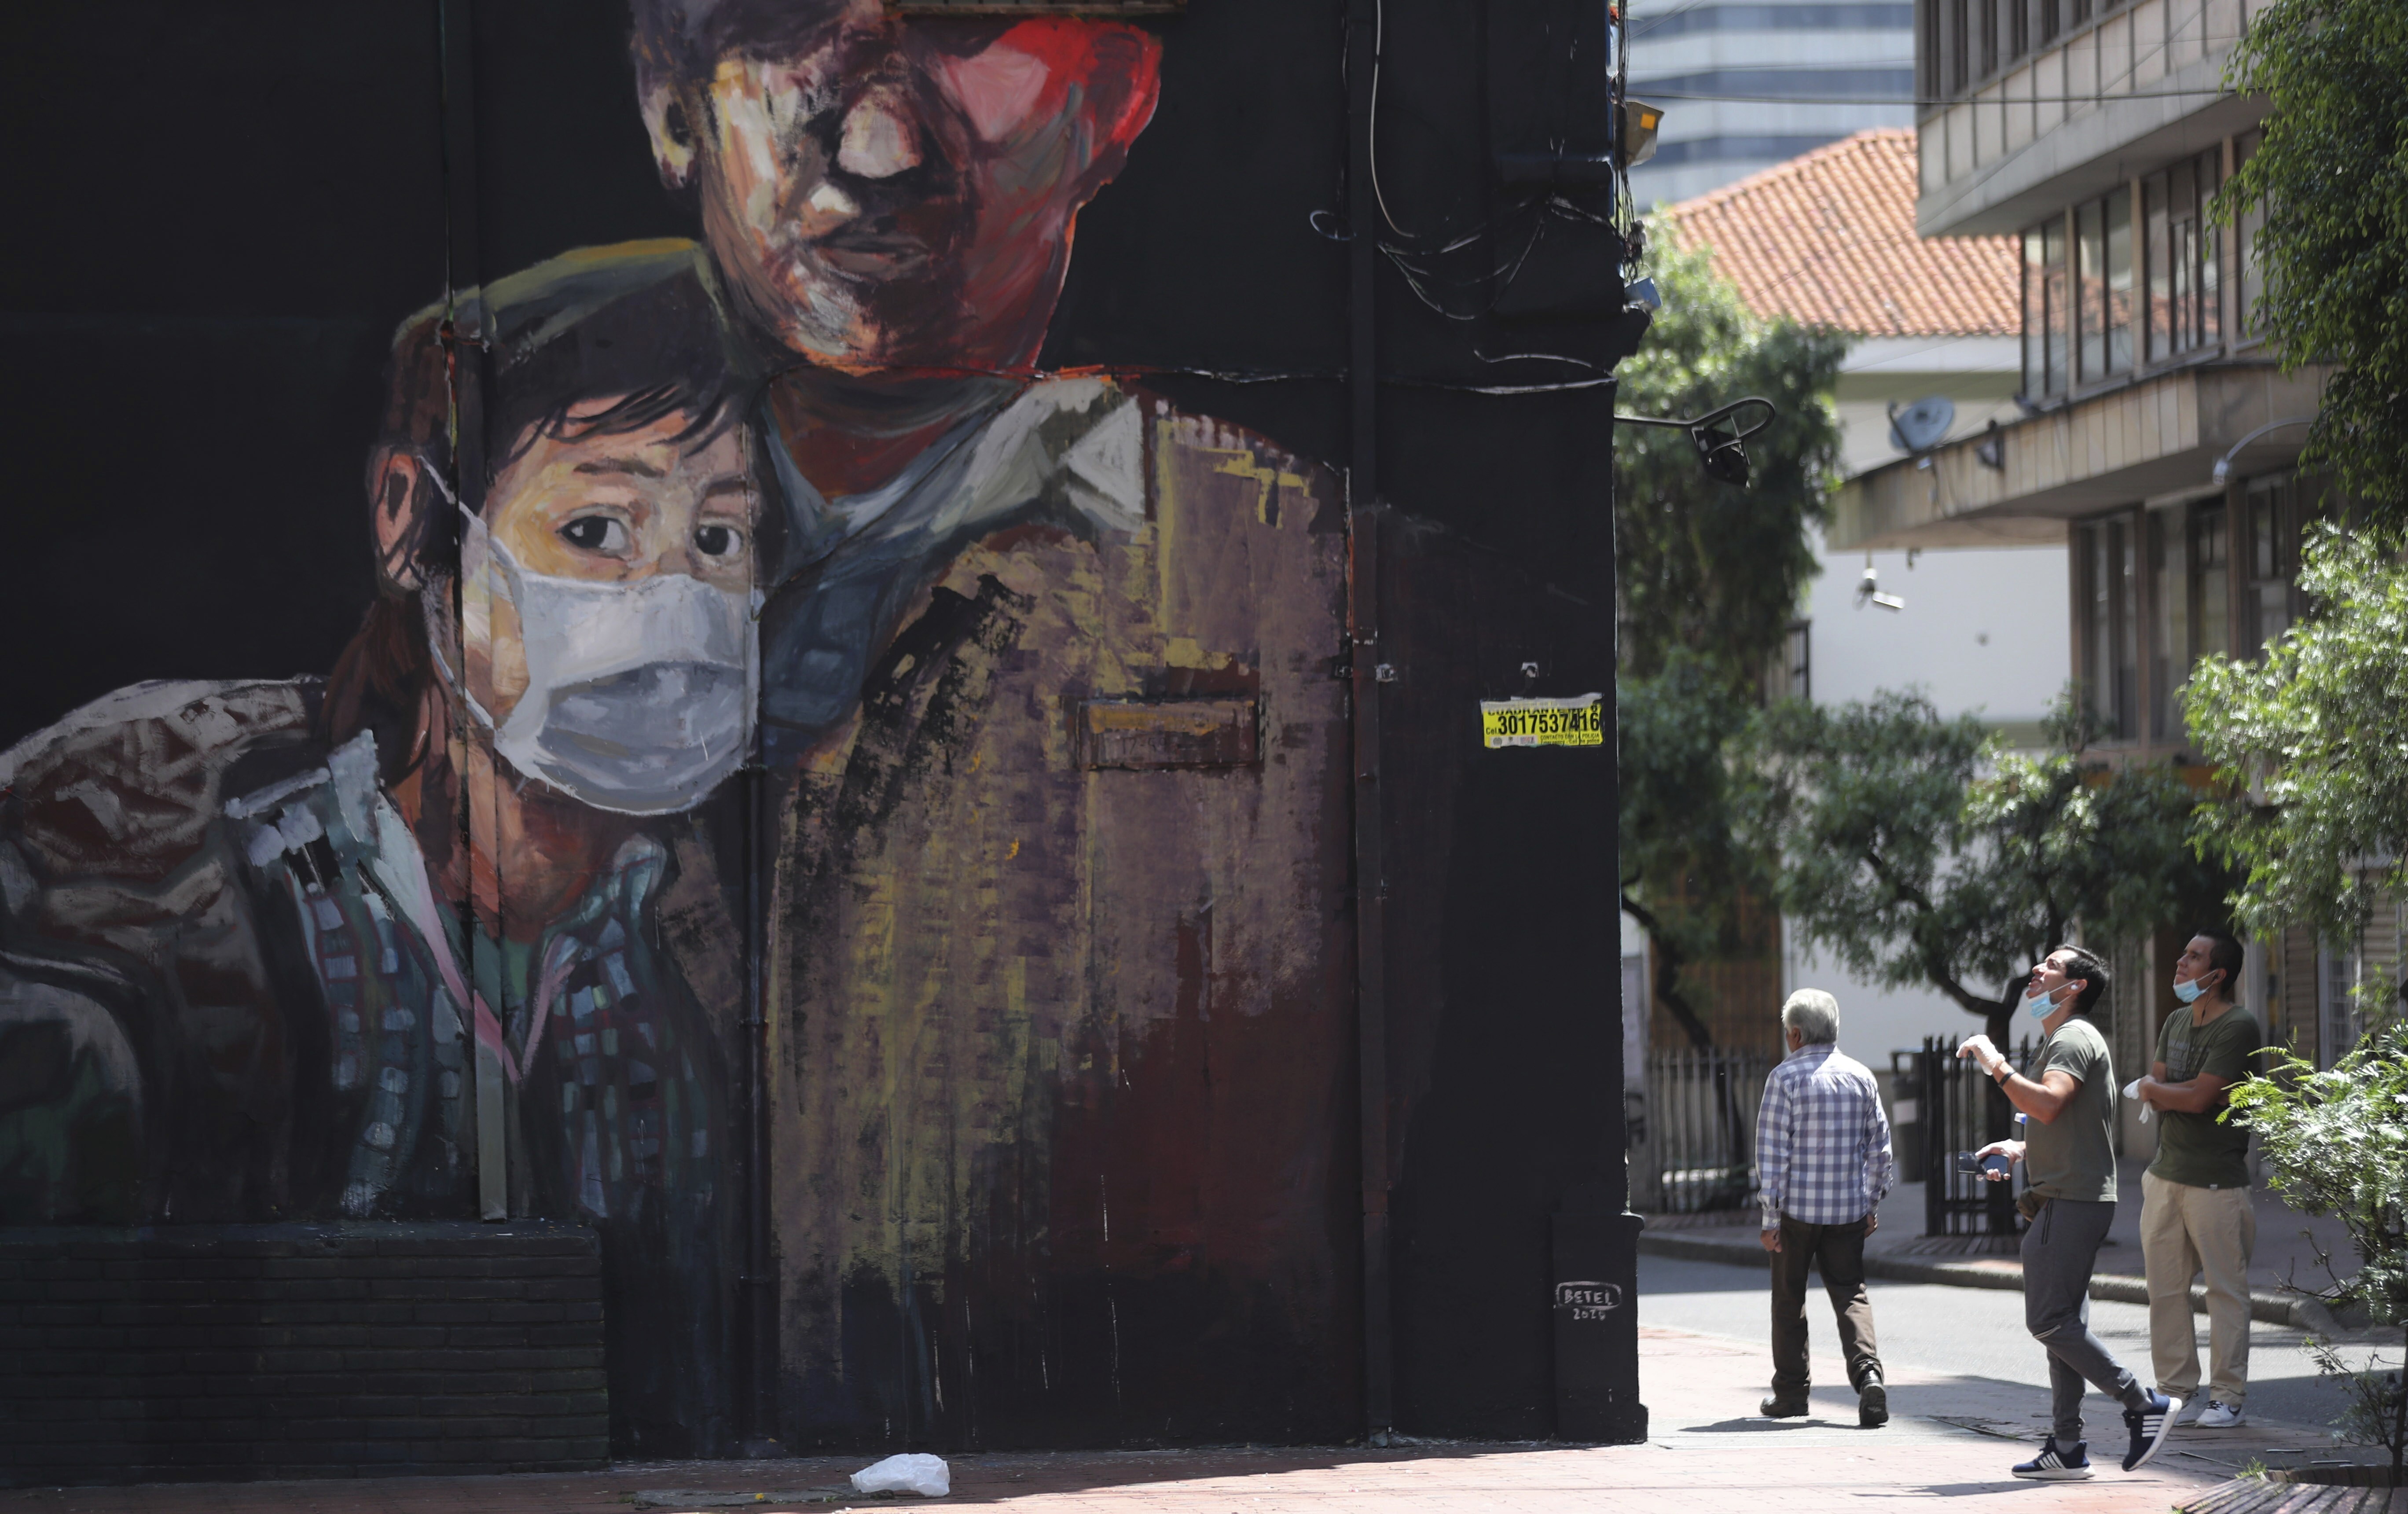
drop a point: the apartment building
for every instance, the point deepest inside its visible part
(2155, 430)
(1745, 84)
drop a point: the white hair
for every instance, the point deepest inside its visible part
(1813, 1014)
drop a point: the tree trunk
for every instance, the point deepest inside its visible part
(2399, 1413)
(1667, 987)
(1998, 1114)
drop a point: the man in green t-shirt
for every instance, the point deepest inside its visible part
(2195, 1215)
(2069, 1157)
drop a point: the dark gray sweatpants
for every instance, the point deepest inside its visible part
(2059, 1252)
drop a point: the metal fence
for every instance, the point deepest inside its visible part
(1963, 1110)
(1693, 1147)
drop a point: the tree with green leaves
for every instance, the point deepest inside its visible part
(2332, 175)
(2336, 1142)
(1916, 851)
(1709, 577)
(2311, 748)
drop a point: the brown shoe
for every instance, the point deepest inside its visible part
(1783, 1408)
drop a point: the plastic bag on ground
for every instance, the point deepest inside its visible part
(914, 1472)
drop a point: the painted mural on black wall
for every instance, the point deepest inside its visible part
(759, 627)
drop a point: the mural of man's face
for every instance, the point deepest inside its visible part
(885, 193)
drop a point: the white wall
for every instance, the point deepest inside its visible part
(1984, 630)
(1874, 1022)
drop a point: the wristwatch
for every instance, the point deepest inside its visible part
(2004, 1070)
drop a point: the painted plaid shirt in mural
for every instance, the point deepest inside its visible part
(1822, 1142)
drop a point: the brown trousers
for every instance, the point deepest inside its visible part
(1838, 1251)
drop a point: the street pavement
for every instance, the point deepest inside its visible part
(1967, 1398)
(1971, 1332)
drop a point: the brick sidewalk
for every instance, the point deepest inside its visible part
(1952, 1437)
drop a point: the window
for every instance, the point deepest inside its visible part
(1964, 42)
(2170, 633)
(2211, 583)
(2336, 1004)
(2046, 313)
(2103, 241)
(2184, 272)
(1788, 672)
(2251, 222)
(2110, 683)
(2270, 561)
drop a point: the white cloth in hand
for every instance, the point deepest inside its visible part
(2132, 1090)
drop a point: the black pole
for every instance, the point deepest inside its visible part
(1363, 636)
(758, 1306)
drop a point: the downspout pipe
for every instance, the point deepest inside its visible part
(758, 1312)
(1363, 639)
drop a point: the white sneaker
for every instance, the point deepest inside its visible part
(2218, 1416)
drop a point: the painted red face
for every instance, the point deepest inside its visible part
(902, 193)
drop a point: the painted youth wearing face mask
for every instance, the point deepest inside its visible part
(608, 614)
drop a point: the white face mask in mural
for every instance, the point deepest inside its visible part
(639, 694)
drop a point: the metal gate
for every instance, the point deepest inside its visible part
(1699, 1148)
(1961, 1109)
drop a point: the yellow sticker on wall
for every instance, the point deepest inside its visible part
(1576, 722)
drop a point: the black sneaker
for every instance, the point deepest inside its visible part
(1778, 1408)
(1872, 1404)
(2054, 1465)
(2148, 1425)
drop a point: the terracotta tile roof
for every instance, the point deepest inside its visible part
(1829, 240)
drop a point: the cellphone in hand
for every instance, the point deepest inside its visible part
(1994, 1165)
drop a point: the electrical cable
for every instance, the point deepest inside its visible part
(1923, 103)
(1371, 128)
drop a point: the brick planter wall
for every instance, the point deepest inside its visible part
(208, 1351)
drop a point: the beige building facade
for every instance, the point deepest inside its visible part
(2155, 437)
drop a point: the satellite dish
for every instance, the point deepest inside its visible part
(1922, 424)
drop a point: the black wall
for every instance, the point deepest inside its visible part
(236, 1351)
(218, 214)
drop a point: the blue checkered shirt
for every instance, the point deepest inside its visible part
(1822, 1142)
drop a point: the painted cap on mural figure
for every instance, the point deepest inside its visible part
(882, 192)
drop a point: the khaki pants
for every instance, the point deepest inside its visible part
(2188, 1231)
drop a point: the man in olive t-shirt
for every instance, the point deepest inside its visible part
(2195, 1214)
(2074, 1156)
(2069, 1156)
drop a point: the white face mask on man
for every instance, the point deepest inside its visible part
(640, 694)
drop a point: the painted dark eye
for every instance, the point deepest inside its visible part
(595, 533)
(717, 541)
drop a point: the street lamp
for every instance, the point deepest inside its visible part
(2224, 464)
(1719, 451)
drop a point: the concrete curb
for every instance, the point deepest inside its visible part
(2118, 1287)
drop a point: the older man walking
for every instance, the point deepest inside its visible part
(1823, 1159)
